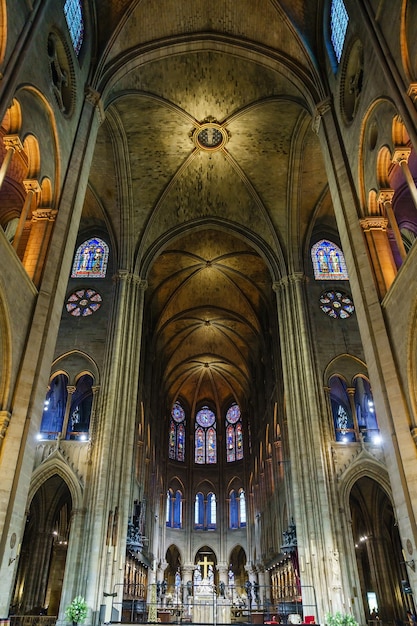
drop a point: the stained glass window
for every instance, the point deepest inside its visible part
(237, 513)
(80, 409)
(54, 407)
(211, 511)
(336, 304)
(328, 261)
(74, 17)
(83, 302)
(365, 410)
(199, 510)
(234, 435)
(77, 406)
(91, 259)
(242, 508)
(339, 19)
(342, 413)
(177, 433)
(174, 509)
(205, 437)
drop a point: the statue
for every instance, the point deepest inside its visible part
(222, 587)
(210, 575)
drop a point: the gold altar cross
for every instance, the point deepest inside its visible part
(205, 563)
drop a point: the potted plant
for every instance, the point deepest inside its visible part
(340, 619)
(76, 612)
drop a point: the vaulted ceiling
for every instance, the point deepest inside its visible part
(209, 175)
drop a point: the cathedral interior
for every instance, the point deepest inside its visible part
(208, 311)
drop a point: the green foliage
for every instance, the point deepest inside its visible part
(77, 610)
(340, 619)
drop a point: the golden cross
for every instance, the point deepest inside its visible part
(205, 563)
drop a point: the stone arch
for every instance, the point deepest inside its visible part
(366, 498)
(12, 121)
(56, 464)
(76, 363)
(346, 366)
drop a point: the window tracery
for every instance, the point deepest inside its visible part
(205, 437)
(90, 260)
(177, 433)
(234, 434)
(328, 261)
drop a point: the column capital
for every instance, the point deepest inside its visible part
(94, 98)
(4, 422)
(412, 93)
(43, 213)
(294, 278)
(401, 155)
(373, 222)
(12, 142)
(385, 195)
(321, 109)
(71, 388)
(130, 277)
(31, 184)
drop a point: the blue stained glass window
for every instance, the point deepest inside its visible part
(74, 16)
(91, 259)
(205, 437)
(339, 19)
(328, 261)
(177, 433)
(54, 407)
(234, 435)
(237, 509)
(211, 511)
(199, 510)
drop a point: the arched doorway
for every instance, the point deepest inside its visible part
(44, 550)
(378, 551)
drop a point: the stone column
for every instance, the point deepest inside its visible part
(32, 187)
(313, 504)
(12, 144)
(375, 231)
(43, 220)
(112, 458)
(400, 157)
(70, 391)
(385, 200)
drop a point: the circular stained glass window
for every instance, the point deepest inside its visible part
(336, 304)
(178, 414)
(233, 414)
(83, 302)
(205, 417)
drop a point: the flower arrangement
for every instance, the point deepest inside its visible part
(340, 619)
(76, 612)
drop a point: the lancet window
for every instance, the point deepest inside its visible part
(339, 20)
(237, 509)
(205, 511)
(328, 261)
(177, 433)
(353, 410)
(91, 259)
(234, 434)
(174, 509)
(67, 409)
(74, 17)
(205, 437)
